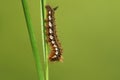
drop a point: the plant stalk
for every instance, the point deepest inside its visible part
(45, 49)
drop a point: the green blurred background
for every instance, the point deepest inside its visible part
(89, 31)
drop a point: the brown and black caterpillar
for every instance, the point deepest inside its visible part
(56, 51)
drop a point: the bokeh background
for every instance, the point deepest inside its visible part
(89, 31)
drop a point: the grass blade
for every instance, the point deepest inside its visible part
(32, 40)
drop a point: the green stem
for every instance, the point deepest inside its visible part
(32, 40)
(45, 49)
(43, 26)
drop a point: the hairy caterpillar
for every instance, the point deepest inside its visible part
(56, 51)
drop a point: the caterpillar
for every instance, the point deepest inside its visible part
(52, 39)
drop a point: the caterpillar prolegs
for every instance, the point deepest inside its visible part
(56, 51)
